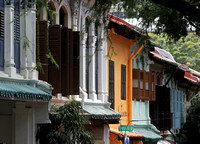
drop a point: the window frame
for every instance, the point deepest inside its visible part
(123, 82)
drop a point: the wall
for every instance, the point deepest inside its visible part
(140, 108)
(121, 47)
(6, 122)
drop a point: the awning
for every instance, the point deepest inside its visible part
(101, 112)
(22, 91)
(129, 133)
(148, 131)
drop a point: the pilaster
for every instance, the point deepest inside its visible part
(31, 50)
(100, 70)
(23, 58)
(105, 75)
(83, 65)
(75, 14)
(22, 124)
(92, 42)
(9, 41)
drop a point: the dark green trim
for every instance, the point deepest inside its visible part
(23, 91)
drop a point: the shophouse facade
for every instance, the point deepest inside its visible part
(79, 47)
(129, 91)
(24, 100)
(157, 90)
(177, 84)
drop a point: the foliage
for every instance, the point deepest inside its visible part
(170, 17)
(190, 131)
(66, 126)
(41, 5)
(185, 51)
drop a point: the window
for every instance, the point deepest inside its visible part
(111, 83)
(17, 35)
(123, 82)
(63, 44)
(1, 34)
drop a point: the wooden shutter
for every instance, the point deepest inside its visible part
(70, 61)
(147, 85)
(160, 109)
(123, 82)
(43, 50)
(142, 85)
(152, 87)
(17, 35)
(1, 34)
(55, 48)
(65, 61)
(111, 84)
(136, 83)
(76, 49)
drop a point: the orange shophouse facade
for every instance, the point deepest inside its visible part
(119, 86)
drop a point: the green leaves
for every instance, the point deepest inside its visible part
(66, 126)
(185, 51)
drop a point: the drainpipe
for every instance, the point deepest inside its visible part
(129, 98)
(171, 76)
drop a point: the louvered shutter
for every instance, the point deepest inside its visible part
(17, 35)
(152, 87)
(147, 85)
(55, 48)
(160, 109)
(142, 85)
(43, 50)
(123, 82)
(76, 47)
(181, 107)
(65, 61)
(1, 34)
(136, 84)
(154, 108)
(70, 61)
(111, 84)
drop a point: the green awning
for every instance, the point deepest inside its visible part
(22, 91)
(101, 112)
(150, 132)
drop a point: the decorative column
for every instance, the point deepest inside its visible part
(75, 14)
(23, 58)
(31, 50)
(105, 74)
(22, 124)
(9, 40)
(101, 65)
(92, 41)
(82, 72)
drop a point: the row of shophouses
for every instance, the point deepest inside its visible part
(120, 80)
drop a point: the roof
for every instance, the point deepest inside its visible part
(148, 131)
(123, 27)
(119, 21)
(129, 133)
(165, 57)
(22, 91)
(101, 112)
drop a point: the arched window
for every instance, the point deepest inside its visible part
(50, 18)
(63, 17)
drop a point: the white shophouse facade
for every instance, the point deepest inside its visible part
(24, 100)
(92, 83)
